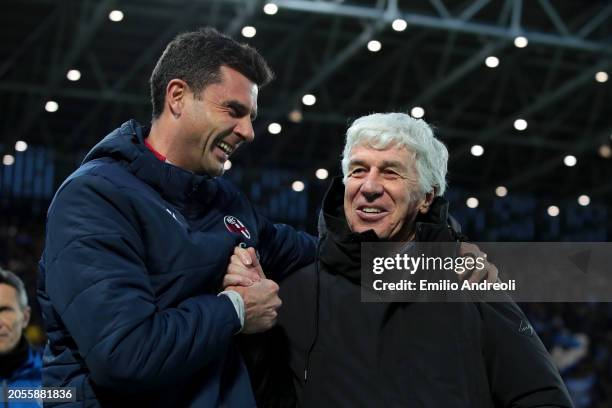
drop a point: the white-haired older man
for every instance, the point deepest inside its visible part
(345, 353)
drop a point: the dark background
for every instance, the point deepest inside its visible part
(320, 48)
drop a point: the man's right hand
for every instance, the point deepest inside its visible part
(260, 295)
(261, 303)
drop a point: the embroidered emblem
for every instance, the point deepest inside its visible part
(525, 328)
(233, 224)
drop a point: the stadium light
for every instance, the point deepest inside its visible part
(501, 191)
(295, 116)
(520, 124)
(322, 174)
(51, 106)
(601, 77)
(297, 186)
(115, 16)
(520, 42)
(248, 31)
(584, 200)
(477, 150)
(309, 99)
(570, 161)
(274, 128)
(270, 9)
(374, 46)
(399, 24)
(492, 62)
(21, 146)
(73, 75)
(417, 112)
(8, 160)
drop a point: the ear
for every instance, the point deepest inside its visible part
(26, 316)
(176, 92)
(427, 200)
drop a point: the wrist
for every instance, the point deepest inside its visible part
(238, 304)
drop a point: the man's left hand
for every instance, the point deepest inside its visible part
(487, 273)
(243, 269)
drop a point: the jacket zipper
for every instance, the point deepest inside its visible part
(318, 290)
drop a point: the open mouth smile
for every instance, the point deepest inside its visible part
(371, 213)
(226, 147)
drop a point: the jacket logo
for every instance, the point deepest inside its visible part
(525, 328)
(234, 225)
(173, 215)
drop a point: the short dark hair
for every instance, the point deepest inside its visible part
(9, 278)
(197, 56)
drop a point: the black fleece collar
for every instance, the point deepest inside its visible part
(10, 362)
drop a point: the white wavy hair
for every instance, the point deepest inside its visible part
(382, 131)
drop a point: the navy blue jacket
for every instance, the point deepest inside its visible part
(135, 254)
(27, 376)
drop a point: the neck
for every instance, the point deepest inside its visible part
(161, 136)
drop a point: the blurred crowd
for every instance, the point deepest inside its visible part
(578, 335)
(579, 338)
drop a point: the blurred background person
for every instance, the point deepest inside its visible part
(20, 364)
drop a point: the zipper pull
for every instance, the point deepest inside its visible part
(306, 375)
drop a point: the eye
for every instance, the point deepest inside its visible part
(234, 110)
(358, 172)
(390, 174)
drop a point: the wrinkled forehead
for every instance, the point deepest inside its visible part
(8, 295)
(374, 155)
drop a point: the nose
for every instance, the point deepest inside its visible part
(245, 130)
(372, 188)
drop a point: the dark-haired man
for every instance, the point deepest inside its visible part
(138, 239)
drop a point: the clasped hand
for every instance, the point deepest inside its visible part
(260, 295)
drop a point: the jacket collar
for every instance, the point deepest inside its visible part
(176, 185)
(22, 362)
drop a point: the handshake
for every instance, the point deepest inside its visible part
(260, 295)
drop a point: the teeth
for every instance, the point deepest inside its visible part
(371, 210)
(225, 147)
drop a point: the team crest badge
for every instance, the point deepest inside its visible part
(233, 224)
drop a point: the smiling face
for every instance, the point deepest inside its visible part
(214, 123)
(382, 192)
(12, 319)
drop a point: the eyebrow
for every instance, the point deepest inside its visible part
(241, 109)
(385, 164)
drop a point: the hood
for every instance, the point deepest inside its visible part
(126, 145)
(340, 248)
